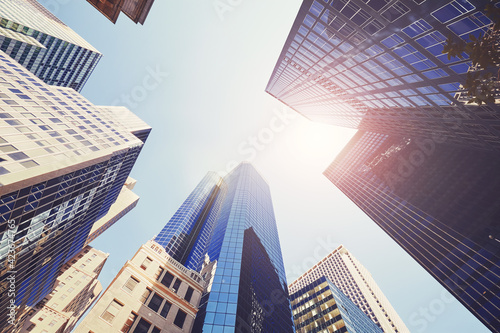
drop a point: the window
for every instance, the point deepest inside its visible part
(130, 284)
(18, 156)
(155, 302)
(52, 323)
(165, 309)
(180, 318)
(129, 322)
(146, 263)
(452, 10)
(167, 279)
(189, 294)
(156, 330)
(142, 327)
(111, 311)
(29, 164)
(176, 285)
(159, 273)
(145, 295)
(7, 148)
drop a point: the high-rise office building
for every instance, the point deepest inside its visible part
(76, 289)
(231, 220)
(354, 281)
(151, 293)
(43, 44)
(439, 203)
(63, 162)
(377, 65)
(136, 10)
(320, 306)
(124, 203)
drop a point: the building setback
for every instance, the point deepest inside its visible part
(44, 45)
(76, 289)
(231, 220)
(355, 282)
(439, 203)
(322, 307)
(125, 202)
(377, 66)
(151, 293)
(63, 162)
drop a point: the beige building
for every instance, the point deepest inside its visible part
(125, 202)
(152, 293)
(356, 282)
(75, 290)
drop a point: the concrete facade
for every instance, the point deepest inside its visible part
(152, 293)
(76, 289)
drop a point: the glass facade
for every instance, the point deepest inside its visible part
(439, 202)
(232, 220)
(136, 10)
(377, 65)
(342, 269)
(322, 307)
(63, 162)
(44, 45)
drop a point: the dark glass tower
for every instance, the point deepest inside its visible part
(63, 162)
(377, 65)
(439, 202)
(231, 220)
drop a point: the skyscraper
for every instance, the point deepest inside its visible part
(377, 65)
(437, 201)
(44, 45)
(355, 282)
(320, 306)
(125, 202)
(231, 220)
(136, 10)
(76, 289)
(63, 162)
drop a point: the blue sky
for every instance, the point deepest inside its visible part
(197, 75)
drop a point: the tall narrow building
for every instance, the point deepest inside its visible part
(226, 231)
(44, 45)
(355, 282)
(439, 203)
(76, 289)
(63, 162)
(377, 65)
(231, 220)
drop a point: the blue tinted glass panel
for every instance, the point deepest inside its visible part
(392, 41)
(417, 28)
(460, 68)
(452, 10)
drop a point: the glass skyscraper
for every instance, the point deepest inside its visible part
(231, 220)
(63, 162)
(44, 45)
(321, 307)
(377, 65)
(437, 201)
